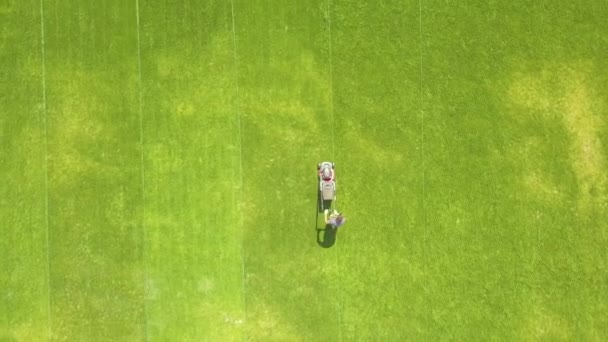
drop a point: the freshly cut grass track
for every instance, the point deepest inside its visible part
(192, 172)
(95, 207)
(292, 288)
(376, 77)
(23, 251)
(470, 140)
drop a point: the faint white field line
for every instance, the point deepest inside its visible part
(333, 157)
(426, 316)
(46, 172)
(143, 173)
(241, 205)
(331, 92)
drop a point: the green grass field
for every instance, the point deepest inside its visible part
(158, 159)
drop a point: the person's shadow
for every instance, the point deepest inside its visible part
(326, 237)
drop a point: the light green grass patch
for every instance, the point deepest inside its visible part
(566, 94)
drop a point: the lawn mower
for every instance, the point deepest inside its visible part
(327, 184)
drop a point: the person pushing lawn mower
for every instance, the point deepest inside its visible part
(327, 193)
(335, 219)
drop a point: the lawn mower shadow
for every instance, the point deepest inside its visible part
(322, 204)
(326, 237)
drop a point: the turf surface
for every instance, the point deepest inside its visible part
(158, 165)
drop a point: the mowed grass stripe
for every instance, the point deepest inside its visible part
(423, 164)
(329, 234)
(376, 77)
(143, 168)
(473, 260)
(23, 248)
(193, 252)
(46, 170)
(240, 148)
(94, 171)
(514, 239)
(285, 105)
